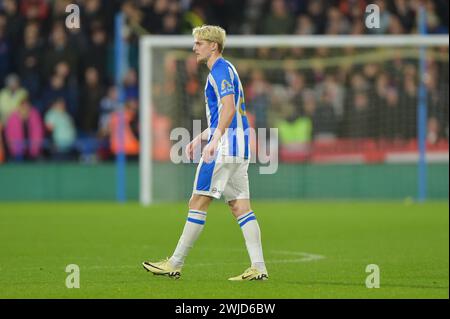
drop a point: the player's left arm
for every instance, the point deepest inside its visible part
(226, 117)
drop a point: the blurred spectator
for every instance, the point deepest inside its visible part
(316, 12)
(437, 97)
(161, 137)
(391, 120)
(5, 50)
(131, 144)
(353, 9)
(14, 22)
(24, 132)
(58, 10)
(10, 97)
(170, 24)
(97, 54)
(194, 17)
(359, 119)
(395, 26)
(136, 26)
(62, 129)
(434, 23)
(359, 83)
(433, 130)
(333, 93)
(109, 104)
(294, 132)
(93, 13)
(191, 91)
(295, 129)
(309, 103)
(229, 14)
(408, 105)
(324, 118)
(258, 95)
(405, 14)
(279, 20)
(153, 14)
(55, 89)
(370, 72)
(169, 91)
(76, 38)
(305, 26)
(441, 9)
(295, 88)
(130, 85)
(385, 18)
(91, 94)
(336, 22)
(35, 9)
(63, 70)
(29, 61)
(137, 22)
(58, 51)
(358, 28)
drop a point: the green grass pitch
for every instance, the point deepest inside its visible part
(312, 250)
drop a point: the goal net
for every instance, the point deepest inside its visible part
(339, 117)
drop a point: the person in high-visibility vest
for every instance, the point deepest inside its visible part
(130, 141)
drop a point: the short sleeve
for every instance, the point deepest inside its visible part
(221, 75)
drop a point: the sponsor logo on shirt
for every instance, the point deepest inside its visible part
(226, 87)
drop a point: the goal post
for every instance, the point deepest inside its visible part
(149, 44)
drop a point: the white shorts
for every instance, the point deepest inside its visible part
(227, 176)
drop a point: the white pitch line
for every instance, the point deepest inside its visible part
(303, 257)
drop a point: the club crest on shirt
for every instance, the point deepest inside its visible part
(225, 87)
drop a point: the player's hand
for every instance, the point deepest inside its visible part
(209, 152)
(190, 148)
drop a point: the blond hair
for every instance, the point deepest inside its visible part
(211, 33)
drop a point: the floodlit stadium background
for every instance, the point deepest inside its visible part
(349, 169)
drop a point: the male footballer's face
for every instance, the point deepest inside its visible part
(203, 50)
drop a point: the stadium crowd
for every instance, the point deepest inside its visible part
(58, 97)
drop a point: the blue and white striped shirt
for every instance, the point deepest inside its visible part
(224, 80)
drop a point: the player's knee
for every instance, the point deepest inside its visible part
(199, 203)
(239, 208)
